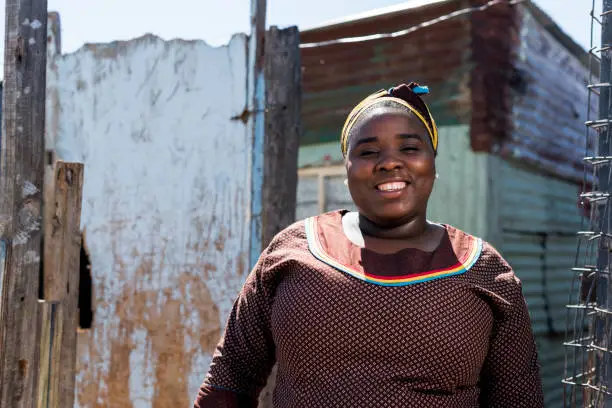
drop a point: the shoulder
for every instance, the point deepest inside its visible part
(288, 244)
(489, 266)
(291, 244)
(289, 235)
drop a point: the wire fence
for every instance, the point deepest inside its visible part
(588, 343)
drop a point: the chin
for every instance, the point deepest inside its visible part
(389, 216)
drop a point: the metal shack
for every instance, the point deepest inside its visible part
(509, 96)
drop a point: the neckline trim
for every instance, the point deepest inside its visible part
(465, 263)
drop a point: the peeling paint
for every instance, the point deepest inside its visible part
(28, 189)
(31, 257)
(165, 204)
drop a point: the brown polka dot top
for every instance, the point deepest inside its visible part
(349, 327)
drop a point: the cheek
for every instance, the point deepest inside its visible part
(424, 167)
(357, 172)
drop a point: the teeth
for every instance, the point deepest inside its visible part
(392, 186)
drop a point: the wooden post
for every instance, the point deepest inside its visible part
(21, 183)
(283, 77)
(282, 70)
(62, 248)
(51, 321)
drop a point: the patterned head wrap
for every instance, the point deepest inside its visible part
(404, 95)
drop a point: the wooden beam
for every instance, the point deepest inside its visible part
(282, 71)
(62, 232)
(326, 171)
(62, 249)
(283, 95)
(51, 321)
(21, 183)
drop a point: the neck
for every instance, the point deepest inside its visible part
(413, 228)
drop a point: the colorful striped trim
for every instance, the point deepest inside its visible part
(464, 264)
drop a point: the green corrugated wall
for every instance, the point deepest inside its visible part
(538, 220)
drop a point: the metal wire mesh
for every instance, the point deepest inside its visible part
(588, 347)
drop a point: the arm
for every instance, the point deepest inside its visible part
(510, 377)
(245, 355)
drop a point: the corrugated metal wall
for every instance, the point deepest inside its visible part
(550, 105)
(336, 77)
(538, 214)
(463, 181)
(538, 217)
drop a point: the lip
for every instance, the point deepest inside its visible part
(394, 193)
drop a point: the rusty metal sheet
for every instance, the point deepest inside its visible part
(492, 74)
(521, 89)
(550, 111)
(336, 77)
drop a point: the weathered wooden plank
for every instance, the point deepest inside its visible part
(51, 321)
(283, 103)
(282, 69)
(62, 248)
(21, 179)
(62, 232)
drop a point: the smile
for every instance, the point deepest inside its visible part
(392, 186)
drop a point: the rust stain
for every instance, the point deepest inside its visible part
(118, 382)
(241, 266)
(166, 316)
(220, 242)
(207, 268)
(88, 386)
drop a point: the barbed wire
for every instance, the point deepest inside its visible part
(410, 30)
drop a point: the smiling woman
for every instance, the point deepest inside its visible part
(379, 307)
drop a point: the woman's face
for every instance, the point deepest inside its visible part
(390, 167)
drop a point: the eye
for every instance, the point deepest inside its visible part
(410, 148)
(366, 153)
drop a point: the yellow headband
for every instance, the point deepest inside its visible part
(380, 97)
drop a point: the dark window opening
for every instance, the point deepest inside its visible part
(86, 313)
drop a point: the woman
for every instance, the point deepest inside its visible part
(379, 308)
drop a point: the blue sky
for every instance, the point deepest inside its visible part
(215, 21)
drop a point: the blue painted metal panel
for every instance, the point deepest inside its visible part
(257, 169)
(256, 101)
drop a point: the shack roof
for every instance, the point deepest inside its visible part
(469, 57)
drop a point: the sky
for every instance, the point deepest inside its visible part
(214, 21)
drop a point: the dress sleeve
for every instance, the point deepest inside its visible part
(245, 354)
(511, 374)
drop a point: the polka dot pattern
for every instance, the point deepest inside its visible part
(461, 341)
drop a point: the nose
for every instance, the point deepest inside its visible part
(389, 162)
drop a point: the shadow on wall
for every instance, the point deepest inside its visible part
(85, 305)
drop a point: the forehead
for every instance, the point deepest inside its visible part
(384, 120)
